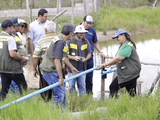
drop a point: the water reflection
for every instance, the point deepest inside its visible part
(148, 48)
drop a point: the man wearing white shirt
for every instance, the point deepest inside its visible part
(10, 62)
(37, 31)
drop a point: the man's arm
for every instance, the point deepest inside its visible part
(15, 56)
(87, 58)
(30, 43)
(59, 70)
(73, 69)
(96, 45)
(35, 63)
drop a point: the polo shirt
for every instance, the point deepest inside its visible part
(36, 32)
(125, 51)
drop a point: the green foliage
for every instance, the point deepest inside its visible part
(124, 108)
(143, 19)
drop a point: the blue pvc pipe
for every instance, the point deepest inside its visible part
(106, 72)
(46, 88)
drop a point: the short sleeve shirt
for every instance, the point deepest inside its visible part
(58, 49)
(11, 43)
(36, 32)
(125, 51)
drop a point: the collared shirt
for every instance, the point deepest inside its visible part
(11, 42)
(36, 32)
(42, 45)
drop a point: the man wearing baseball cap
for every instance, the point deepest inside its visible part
(79, 53)
(92, 38)
(10, 62)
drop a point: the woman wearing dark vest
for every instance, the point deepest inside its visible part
(127, 63)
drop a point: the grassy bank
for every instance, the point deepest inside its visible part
(142, 19)
(123, 108)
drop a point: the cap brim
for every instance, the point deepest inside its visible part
(21, 23)
(89, 22)
(15, 24)
(114, 37)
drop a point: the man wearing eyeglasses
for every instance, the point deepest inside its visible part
(92, 38)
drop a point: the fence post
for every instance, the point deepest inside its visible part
(84, 5)
(58, 1)
(72, 11)
(102, 82)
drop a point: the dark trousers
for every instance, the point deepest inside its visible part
(6, 81)
(89, 76)
(130, 86)
(47, 95)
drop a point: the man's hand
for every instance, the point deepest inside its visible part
(35, 73)
(24, 60)
(74, 71)
(77, 58)
(102, 55)
(83, 59)
(61, 81)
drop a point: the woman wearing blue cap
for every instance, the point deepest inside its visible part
(127, 63)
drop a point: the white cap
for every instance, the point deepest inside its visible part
(50, 26)
(80, 29)
(88, 19)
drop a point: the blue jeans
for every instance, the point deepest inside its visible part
(59, 93)
(13, 87)
(80, 83)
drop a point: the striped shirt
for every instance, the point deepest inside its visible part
(42, 45)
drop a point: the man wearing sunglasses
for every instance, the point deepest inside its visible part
(79, 53)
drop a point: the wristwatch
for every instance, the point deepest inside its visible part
(101, 51)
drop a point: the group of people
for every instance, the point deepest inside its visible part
(68, 53)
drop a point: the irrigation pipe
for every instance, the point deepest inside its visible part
(46, 88)
(106, 72)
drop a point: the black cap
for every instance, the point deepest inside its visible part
(7, 23)
(88, 18)
(15, 21)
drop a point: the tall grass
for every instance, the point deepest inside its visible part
(123, 108)
(143, 19)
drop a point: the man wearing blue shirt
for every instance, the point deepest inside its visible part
(92, 38)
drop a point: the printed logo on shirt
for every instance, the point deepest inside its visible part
(1, 45)
(90, 33)
(73, 53)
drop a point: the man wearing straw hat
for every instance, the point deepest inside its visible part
(79, 53)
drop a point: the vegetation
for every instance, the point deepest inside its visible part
(143, 19)
(123, 108)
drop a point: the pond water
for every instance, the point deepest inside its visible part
(148, 48)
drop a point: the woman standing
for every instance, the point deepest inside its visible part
(127, 63)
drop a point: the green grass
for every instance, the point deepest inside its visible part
(143, 19)
(123, 108)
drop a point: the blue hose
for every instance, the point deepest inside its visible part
(46, 88)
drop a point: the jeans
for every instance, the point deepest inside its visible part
(80, 83)
(13, 87)
(59, 93)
